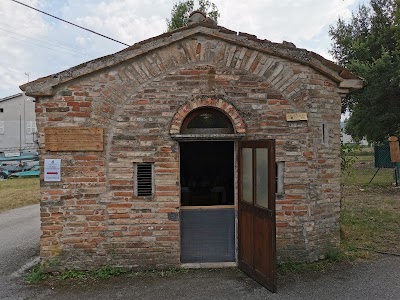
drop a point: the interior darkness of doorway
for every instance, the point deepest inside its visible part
(207, 173)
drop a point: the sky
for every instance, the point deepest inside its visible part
(33, 45)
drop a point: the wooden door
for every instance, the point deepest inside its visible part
(256, 216)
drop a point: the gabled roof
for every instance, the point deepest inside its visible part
(346, 80)
(11, 97)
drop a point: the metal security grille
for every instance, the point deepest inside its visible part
(144, 179)
(208, 235)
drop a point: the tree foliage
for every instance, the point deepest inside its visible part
(181, 11)
(369, 46)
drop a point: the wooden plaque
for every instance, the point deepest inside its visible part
(74, 139)
(299, 116)
(394, 149)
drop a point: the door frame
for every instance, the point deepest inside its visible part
(234, 206)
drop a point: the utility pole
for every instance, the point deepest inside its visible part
(28, 74)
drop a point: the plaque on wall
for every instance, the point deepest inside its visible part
(74, 139)
(299, 116)
(52, 170)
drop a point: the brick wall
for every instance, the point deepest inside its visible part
(92, 217)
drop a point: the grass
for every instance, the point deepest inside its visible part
(302, 267)
(370, 219)
(333, 256)
(370, 213)
(363, 171)
(37, 274)
(18, 192)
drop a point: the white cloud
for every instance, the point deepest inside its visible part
(289, 20)
(129, 21)
(17, 25)
(35, 43)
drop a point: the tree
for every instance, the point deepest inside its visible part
(369, 46)
(181, 11)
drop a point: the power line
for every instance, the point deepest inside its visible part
(43, 46)
(45, 42)
(70, 22)
(44, 38)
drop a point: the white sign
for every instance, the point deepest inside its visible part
(52, 170)
(11, 154)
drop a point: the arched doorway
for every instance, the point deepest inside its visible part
(210, 144)
(207, 189)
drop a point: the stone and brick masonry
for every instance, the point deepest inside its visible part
(140, 96)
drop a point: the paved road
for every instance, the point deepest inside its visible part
(364, 281)
(19, 242)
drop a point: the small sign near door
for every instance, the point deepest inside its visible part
(299, 116)
(52, 170)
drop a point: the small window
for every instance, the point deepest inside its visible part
(31, 127)
(280, 173)
(1, 127)
(207, 121)
(325, 134)
(1, 110)
(144, 179)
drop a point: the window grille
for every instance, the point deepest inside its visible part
(144, 179)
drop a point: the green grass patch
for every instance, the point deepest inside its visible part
(73, 274)
(302, 267)
(368, 151)
(107, 272)
(363, 170)
(333, 256)
(18, 192)
(370, 223)
(370, 220)
(370, 229)
(37, 275)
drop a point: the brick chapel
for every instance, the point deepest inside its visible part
(199, 147)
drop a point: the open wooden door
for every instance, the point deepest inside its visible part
(257, 226)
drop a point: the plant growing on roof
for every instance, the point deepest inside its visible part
(181, 11)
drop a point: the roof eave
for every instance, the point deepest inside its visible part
(346, 80)
(11, 97)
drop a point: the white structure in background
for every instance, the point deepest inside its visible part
(347, 139)
(17, 125)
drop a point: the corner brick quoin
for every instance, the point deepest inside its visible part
(225, 107)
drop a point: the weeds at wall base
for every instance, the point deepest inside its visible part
(344, 255)
(37, 274)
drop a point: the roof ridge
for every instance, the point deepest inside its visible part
(290, 52)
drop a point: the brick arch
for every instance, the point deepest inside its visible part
(231, 112)
(285, 76)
